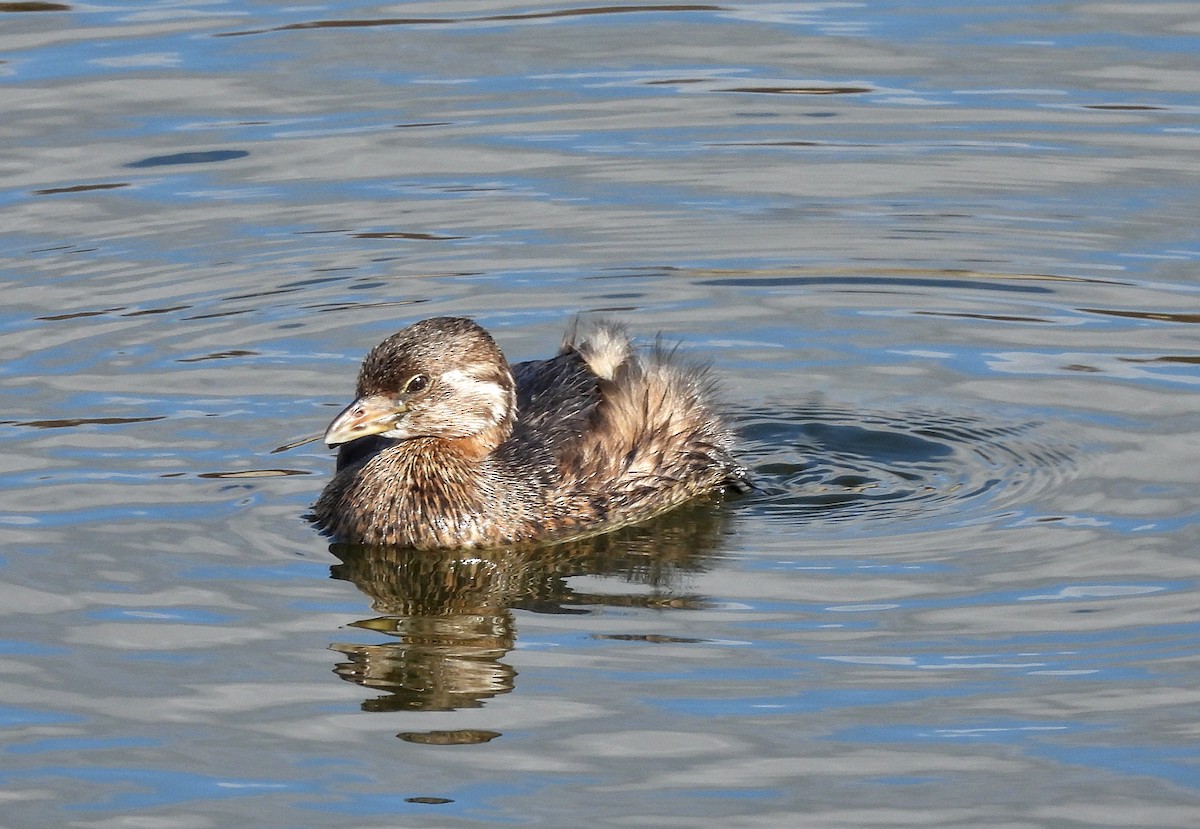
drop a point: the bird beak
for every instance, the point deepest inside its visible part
(366, 416)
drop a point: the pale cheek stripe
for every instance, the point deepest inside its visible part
(490, 393)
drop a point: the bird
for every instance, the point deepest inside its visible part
(448, 446)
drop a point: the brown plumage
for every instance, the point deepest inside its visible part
(447, 446)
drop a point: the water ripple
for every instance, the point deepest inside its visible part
(822, 463)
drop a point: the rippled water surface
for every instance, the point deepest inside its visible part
(943, 257)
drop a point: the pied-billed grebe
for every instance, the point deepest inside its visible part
(447, 446)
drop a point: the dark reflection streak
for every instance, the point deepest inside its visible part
(800, 90)
(398, 234)
(652, 638)
(261, 294)
(152, 311)
(202, 157)
(595, 10)
(308, 283)
(1156, 316)
(348, 24)
(219, 355)
(468, 189)
(34, 7)
(613, 309)
(254, 473)
(991, 317)
(217, 314)
(448, 21)
(1125, 107)
(788, 144)
(79, 188)
(295, 443)
(72, 422)
(1164, 359)
(80, 314)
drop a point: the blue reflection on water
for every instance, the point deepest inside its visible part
(158, 787)
(75, 744)
(997, 731)
(1058, 741)
(1176, 764)
(198, 157)
(163, 615)
(804, 701)
(14, 647)
(11, 717)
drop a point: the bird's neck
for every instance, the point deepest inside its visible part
(474, 448)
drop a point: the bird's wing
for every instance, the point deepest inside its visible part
(556, 398)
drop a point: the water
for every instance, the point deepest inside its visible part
(943, 257)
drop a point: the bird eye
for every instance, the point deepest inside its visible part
(416, 383)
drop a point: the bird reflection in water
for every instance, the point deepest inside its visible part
(449, 612)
